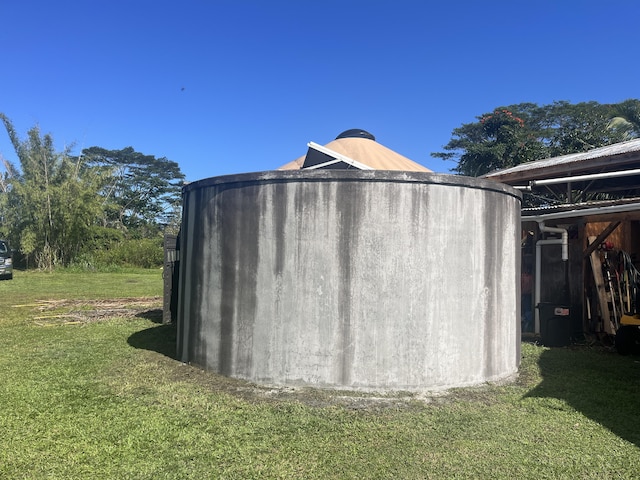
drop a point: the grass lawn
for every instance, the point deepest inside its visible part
(89, 389)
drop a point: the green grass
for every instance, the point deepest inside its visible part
(103, 398)
(33, 285)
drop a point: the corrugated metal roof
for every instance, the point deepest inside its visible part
(565, 207)
(568, 163)
(607, 210)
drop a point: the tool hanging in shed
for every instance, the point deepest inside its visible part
(631, 282)
(607, 247)
(601, 316)
(628, 334)
(616, 289)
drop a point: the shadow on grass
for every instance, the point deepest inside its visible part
(598, 383)
(160, 338)
(154, 315)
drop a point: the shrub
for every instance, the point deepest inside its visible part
(144, 253)
(111, 254)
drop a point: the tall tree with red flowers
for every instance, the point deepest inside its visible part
(515, 134)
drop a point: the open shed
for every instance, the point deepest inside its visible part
(580, 239)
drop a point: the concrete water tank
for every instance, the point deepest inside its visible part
(374, 280)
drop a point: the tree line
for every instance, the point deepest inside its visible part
(515, 134)
(112, 206)
(99, 207)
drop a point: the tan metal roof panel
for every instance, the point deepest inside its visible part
(368, 152)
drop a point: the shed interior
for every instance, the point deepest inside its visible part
(593, 200)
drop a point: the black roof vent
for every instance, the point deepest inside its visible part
(356, 133)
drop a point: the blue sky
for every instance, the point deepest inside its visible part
(224, 86)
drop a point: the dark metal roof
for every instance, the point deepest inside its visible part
(356, 133)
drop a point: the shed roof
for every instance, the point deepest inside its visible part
(598, 160)
(360, 149)
(613, 170)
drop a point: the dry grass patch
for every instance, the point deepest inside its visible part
(74, 311)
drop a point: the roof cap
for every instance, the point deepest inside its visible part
(356, 133)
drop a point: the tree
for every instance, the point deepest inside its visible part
(50, 202)
(6, 178)
(143, 190)
(56, 208)
(509, 136)
(583, 126)
(627, 118)
(503, 138)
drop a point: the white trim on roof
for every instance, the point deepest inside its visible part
(337, 158)
(591, 176)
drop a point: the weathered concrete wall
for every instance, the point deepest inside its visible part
(351, 279)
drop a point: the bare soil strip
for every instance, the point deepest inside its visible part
(73, 312)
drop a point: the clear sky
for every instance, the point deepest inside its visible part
(233, 86)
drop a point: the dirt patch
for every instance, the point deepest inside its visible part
(70, 312)
(319, 397)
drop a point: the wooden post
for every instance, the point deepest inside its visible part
(168, 270)
(603, 301)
